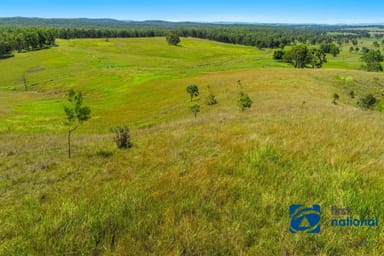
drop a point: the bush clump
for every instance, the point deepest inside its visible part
(367, 102)
(122, 136)
(244, 101)
(211, 99)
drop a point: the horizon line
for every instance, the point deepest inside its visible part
(206, 22)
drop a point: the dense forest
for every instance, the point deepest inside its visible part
(25, 34)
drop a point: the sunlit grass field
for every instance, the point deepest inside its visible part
(218, 184)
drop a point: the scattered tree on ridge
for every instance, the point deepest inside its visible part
(173, 39)
(76, 114)
(193, 90)
(195, 109)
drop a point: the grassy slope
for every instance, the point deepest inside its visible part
(219, 184)
(109, 72)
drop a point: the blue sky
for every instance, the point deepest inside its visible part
(280, 11)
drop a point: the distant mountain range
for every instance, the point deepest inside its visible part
(83, 22)
(92, 23)
(113, 23)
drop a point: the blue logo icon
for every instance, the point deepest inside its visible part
(304, 219)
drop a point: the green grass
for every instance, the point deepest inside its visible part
(220, 184)
(111, 71)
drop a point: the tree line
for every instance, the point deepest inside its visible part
(23, 38)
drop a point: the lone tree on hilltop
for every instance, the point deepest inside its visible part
(173, 39)
(76, 114)
(193, 90)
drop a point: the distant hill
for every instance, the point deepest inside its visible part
(91, 23)
(113, 23)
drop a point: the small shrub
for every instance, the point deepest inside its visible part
(352, 94)
(239, 84)
(336, 97)
(122, 136)
(244, 101)
(211, 99)
(367, 102)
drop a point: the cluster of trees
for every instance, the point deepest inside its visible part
(331, 48)
(300, 56)
(25, 39)
(372, 59)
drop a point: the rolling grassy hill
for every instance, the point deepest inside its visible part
(218, 184)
